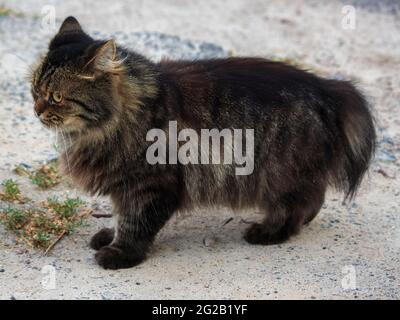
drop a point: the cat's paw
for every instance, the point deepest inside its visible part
(102, 238)
(258, 234)
(111, 257)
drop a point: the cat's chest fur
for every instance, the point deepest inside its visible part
(102, 167)
(92, 166)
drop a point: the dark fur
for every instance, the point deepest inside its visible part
(310, 133)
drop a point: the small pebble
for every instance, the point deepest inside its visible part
(209, 241)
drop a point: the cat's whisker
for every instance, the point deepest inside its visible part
(68, 139)
(66, 150)
(56, 139)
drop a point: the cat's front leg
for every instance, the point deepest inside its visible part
(137, 225)
(102, 238)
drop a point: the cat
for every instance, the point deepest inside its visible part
(309, 133)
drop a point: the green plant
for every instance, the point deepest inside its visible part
(42, 224)
(71, 226)
(4, 12)
(41, 221)
(41, 239)
(45, 177)
(14, 219)
(11, 190)
(65, 209)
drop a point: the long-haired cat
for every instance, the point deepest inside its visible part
(309, 133)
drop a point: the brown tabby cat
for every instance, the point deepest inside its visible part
(309, 133)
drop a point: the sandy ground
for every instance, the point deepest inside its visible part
(348, 251)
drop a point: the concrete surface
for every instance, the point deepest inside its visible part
(349, 251)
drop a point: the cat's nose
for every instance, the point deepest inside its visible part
(40, 106)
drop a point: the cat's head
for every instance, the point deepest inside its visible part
(73, 85)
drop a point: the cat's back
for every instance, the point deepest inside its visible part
(237, 69)
(240, 78)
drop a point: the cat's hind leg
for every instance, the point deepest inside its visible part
(286, 216)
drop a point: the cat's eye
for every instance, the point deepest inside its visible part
(56, 96)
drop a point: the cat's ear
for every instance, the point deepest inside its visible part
(70, 24)
(105, 58)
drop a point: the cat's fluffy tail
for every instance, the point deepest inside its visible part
(357, 137)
